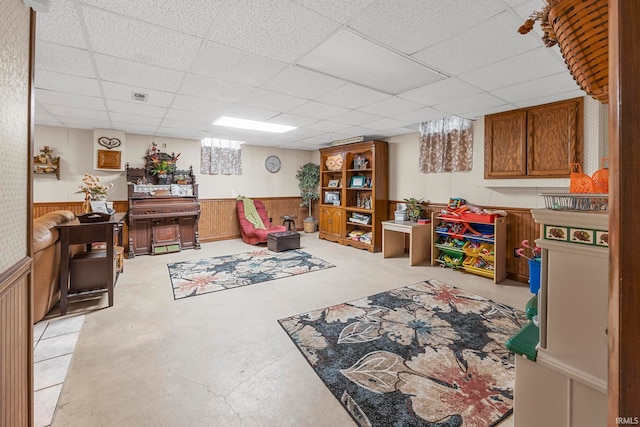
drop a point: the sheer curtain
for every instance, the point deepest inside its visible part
(446, 145)
(220, 156)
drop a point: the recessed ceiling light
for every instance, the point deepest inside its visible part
(351, 57)
(252, 125)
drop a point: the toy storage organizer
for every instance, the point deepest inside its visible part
(473, 243)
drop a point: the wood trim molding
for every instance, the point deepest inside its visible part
(624, 202)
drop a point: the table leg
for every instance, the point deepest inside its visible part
(64, 270)
(392, 243)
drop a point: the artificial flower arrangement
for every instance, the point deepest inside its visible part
(542, 15)
(535, 252)
(161, 162)
(92, 189)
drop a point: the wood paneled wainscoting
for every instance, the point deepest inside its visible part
(218, 217)
(16, 345)
(520, 226)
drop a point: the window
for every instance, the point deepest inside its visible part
(220, 157)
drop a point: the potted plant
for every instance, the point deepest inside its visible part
(308, 176)
(414, 208)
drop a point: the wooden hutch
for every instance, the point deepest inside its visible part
(163, 211)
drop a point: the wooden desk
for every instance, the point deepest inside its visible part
(393, 234)
(75, 232)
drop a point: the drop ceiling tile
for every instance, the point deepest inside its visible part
(135, 119)
(136, 108)
(188, 16)
(355, 117)
(412, 25)
(356, 131)
(317, 110)
(470, 47)
(63, 59)
(175, 133)
(84, 122)
(292, 120)
(476, 115)
(518, 69)
(340, 11)
(472, 103)
(300, 133)
(303, 83)
(352, 96)
(545, 86)
(137, 128)
(385, 124)
(271, 100)
(191, 103)
(391, 106)
(277, 29)
(250, 113)
(220, 90)
(120, 92)
(421, 115)
(188, 125)
(61, 25)
(190, 116)
(50, 80)
(551, 98)
(440, 92)
(61, 111)
(69, 99)
(327, 126)
(136, 74)
(113, 34)
(233, 65)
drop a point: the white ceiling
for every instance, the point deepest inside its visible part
(200, 59)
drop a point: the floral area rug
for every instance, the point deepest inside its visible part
(192, 278)
(427, 354)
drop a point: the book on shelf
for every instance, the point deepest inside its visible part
(360, 218)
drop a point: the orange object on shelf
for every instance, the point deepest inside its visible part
(579, 182)
(601, 178)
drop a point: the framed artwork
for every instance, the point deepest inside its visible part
(357, 181)
(109, 159)
(333, 183)
(332, 197)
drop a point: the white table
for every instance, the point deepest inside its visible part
(393, 237)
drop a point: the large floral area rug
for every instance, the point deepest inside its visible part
(427, 354)
(191, 278)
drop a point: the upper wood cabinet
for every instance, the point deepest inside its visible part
(534, 142)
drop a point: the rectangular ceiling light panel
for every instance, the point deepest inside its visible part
(252, 125)
(353, 58)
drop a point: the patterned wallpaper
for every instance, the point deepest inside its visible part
(14, 97)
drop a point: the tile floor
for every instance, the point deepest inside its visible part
(219, 359)
(54, 341)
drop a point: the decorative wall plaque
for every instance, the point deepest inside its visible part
(109, 159)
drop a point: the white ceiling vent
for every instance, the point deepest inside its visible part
(139, 96)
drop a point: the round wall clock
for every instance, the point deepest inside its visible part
(273, 164)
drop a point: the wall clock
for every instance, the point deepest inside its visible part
(273, 164)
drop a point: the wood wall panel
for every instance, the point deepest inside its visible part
(16, 346)
(520, 226)
(219, 221)
(219, 218)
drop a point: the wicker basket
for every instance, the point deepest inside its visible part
(581, 28)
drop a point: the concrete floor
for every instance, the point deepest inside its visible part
(221, 359)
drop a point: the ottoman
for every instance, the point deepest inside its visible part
(283, 241)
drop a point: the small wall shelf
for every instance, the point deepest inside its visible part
(46, 164)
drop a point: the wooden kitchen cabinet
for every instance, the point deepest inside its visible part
(534, 142)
